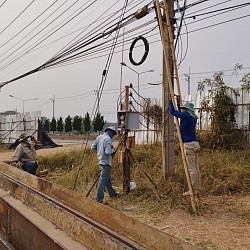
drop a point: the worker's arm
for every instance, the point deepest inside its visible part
(108, 148)
(177, 113)
(17, 155)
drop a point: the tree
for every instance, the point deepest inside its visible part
(53, 125)
(152, 113)
(60, 125)
(98, 122)
(223, 109)
(46, 125)
(77, 123)
(68, 124)
(86, 123)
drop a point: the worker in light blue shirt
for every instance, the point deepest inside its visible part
(103, 146)
(191, 145)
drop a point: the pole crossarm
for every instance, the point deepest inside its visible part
(164, 38)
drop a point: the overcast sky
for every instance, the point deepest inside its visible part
(32, 32)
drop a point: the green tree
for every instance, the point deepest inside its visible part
(98, 122)
(46, 125)
(86, 123)
(77, 123)
(68, 124)
(60, 125)
(53, 125)
(223, 109)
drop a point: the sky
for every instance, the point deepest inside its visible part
(34, 31)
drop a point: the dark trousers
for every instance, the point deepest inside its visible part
(30, 167)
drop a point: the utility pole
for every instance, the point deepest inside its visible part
(126, 159)
(53, 106)
(188, 80)
(98, 100)
(168, 120)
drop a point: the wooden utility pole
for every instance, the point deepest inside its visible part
(168, 120)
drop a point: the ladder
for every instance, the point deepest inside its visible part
(168, 38)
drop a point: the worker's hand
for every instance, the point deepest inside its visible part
(178, 99)
(113, 154)
(13, 164)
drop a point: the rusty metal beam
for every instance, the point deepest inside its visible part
(24, 228)
(146, 236)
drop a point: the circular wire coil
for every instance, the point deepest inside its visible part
(146, 45)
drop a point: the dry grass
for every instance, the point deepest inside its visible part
(224, 207)
(223, 173)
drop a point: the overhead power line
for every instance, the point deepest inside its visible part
(17, 17)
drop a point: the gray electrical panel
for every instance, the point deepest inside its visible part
(128, 120)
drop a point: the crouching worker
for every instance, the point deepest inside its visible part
(105, 152)
(25, 153)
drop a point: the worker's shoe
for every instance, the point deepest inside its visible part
(187, 193)
(115, 195)
(42, 173)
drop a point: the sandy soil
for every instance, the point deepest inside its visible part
(224, 223)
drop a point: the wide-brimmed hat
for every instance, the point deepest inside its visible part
(188, 105)
(22, 137)
(190, 108)
(111, 128)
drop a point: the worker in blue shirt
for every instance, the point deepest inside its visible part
(104, 148)
(191, 145)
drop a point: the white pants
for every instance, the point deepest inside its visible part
(191, 150)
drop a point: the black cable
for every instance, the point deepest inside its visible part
(84, 52)
(28, 24)
(15, 60)
(180, 26)
(3, 3)
(29, 39)
(209, 7)
(187, 33)
(17, 17)
(95, 30)
(138, 94)
(213, 25)
(225, 10)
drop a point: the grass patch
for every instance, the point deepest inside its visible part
(223, 172)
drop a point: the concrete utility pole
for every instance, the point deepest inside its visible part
(126, 159)
(168, 120)
(53, 106)
(98, 100)
(187, 78)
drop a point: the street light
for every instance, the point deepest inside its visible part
(23, 100)
(138, 75)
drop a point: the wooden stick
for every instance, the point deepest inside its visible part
(147, 177)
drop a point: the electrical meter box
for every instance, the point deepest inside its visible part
(128, 120)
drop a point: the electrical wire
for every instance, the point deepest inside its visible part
(3, 3)
(17, 17)
(36, 18)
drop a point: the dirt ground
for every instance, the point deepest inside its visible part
(224, 222)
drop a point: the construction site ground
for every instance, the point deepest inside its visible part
(224, 223)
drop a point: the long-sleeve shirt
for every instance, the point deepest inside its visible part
(103, 146)
(24, 153)
(187, 124)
